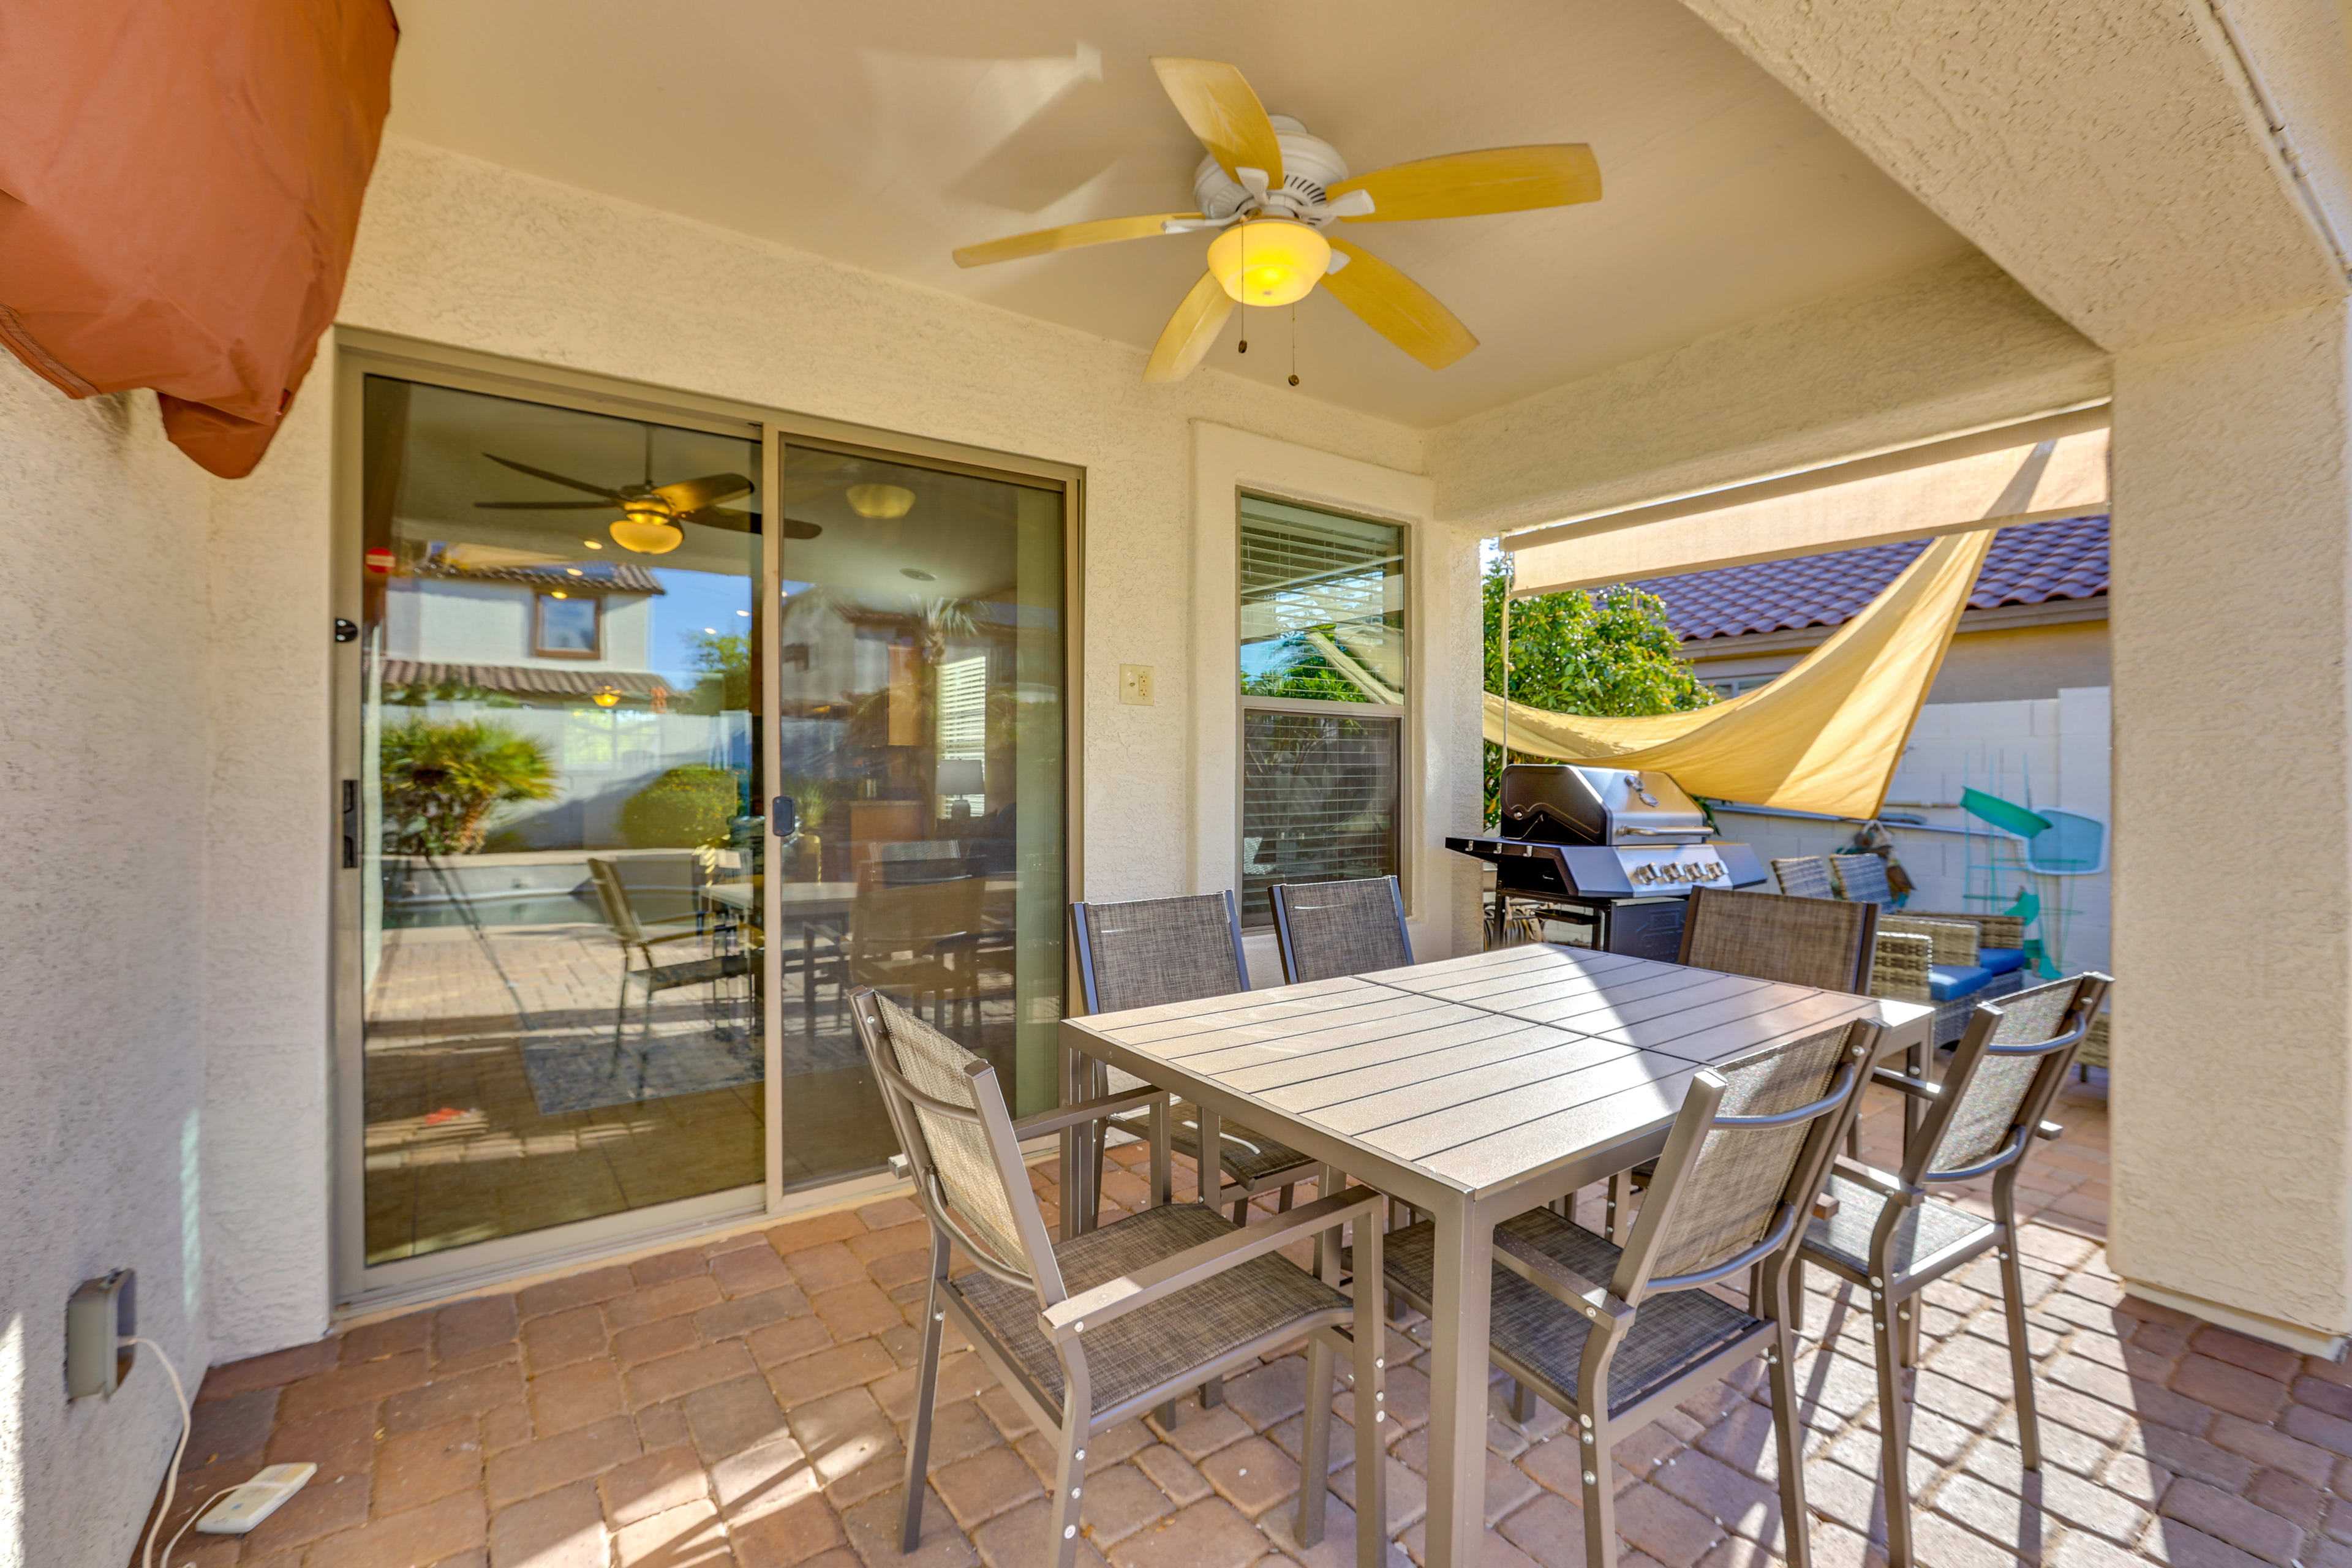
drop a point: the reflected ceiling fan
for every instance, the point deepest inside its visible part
(1274, 191)
(650, 513)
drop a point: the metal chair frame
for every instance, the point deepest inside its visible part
(1065, 1318)
(621, 915)
(1895, 1318)
(1612, 1309)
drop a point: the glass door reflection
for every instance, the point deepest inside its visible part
(920, 746)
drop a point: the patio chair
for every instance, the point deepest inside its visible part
(1891, 1233)
(1804, 877)
(917, 940)
(1325, 930)
(1150, 951)
(1107, 1325)
(620, 913)
(1974, 958)
(1819, 943)
(1615, 1337)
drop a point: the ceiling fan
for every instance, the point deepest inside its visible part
(650, 513)
(1272, 192)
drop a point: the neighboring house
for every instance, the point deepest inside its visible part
(2036, 623)
(543, 634)
(2019, 709)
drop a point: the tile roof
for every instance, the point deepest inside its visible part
(588, 577)
(2029, 564)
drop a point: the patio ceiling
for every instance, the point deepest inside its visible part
(887, 135)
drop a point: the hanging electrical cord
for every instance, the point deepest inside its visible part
(179, 1452)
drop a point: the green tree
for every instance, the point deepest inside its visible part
(1609, 655)
(725, 664)
(443, 780)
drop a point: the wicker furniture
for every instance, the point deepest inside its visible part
(1327, 929)
(1104, 1327)
(620, 914)
(1804, 877)
(1889, 1233)
(1473, 1089)
(1617, 1337)
(1997, 950)
(1151, 950)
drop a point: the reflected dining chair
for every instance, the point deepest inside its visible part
(1819, 943)
(1888, 1232)
(614, 895)
(1106, 1326)
(1146, 951)
(1325, 930)
(1617, 1336)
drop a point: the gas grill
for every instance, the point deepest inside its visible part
(1613, 852)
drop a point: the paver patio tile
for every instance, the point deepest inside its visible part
(574, 1396)
(872, 1528)
(562, 1529)
(651, 1484)
(552, 1462)
(418, 1467)
(1208, 1534)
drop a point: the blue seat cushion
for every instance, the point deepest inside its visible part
(2000, 960)
(1947, 982)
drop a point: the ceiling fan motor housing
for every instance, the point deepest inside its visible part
(1310, 167)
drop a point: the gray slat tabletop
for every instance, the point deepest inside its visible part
(1474, 1088)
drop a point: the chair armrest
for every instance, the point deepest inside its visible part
(1902, 1083)
(1085, 1110)
(1115, 1298)
(1899, 964)
(1555, 1279)
(1955, 941)
(901, 1169)
(1885, 1183)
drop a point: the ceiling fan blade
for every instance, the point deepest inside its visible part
(795, 529)
(1190, 330)
(554, 479)
(719, 517)
(1217, 102)
(693, 495)
(1069, 237)
(546, 505)
(1397, 308)
(1463, 185)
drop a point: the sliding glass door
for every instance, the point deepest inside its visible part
(920, 753)
(660, 731)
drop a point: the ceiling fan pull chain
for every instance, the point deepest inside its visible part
(1293, 342)
(1244, 238)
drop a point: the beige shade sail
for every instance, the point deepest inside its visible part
(1825, 736)
(2044, 470)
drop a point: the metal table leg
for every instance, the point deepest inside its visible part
(1457, 1379)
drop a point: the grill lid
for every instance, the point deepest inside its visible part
(1562, 803)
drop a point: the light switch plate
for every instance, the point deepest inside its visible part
(1135, 685)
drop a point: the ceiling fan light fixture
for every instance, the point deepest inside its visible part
(648, 530)
(881, 502)
(1269, 261)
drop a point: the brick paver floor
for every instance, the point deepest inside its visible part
(745, 1403)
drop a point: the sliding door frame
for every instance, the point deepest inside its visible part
(359, 1286)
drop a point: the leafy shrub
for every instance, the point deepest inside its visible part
(686, 808)
(443, 780)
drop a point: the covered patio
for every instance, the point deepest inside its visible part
(599, 544)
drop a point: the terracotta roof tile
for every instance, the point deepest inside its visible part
(2030, 564)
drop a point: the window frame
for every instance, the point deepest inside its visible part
(539, 646)
(1402, 713)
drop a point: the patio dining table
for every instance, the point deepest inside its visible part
(1473, 1089)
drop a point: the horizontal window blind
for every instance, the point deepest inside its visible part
(1318, 800)
(1321, 594)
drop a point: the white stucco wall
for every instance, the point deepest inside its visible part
(102, 754)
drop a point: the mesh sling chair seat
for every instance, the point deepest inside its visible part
(620, 914)
(1148, 952)
(1616, 1337)
(1325, 930)
(1105, 1326)
(1892, 1236)
(1819, 943)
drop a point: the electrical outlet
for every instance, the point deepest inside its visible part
(1135, 685)
(100, 1317)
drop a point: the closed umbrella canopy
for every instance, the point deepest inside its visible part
(180, 187)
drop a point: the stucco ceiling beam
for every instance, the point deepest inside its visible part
(2114, 158)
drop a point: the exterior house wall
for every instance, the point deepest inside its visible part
(1995, 665)
(490, 623)
(452, 250)
(102, 1125)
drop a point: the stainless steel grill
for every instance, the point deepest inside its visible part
(1611, 852)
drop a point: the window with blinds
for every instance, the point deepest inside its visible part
(1323, 681)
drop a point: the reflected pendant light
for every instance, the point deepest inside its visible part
(881, 501)
(647, 530)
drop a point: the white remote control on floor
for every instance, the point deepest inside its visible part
(241, 1507)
